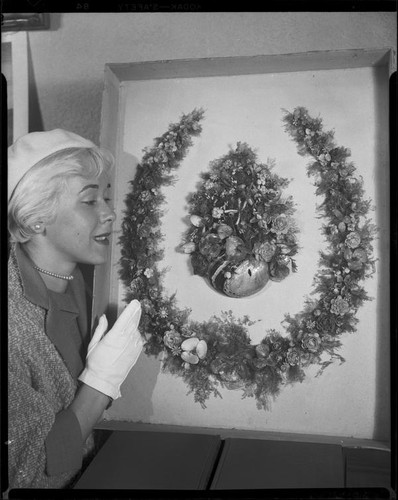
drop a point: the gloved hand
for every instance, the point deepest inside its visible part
(109, 359)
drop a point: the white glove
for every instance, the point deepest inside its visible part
(109, 359)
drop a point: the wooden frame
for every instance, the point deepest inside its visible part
(117, 77)
(15, 69)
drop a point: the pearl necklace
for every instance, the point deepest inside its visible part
(54, 275)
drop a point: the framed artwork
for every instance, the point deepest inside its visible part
(14, 66)
(252, 203)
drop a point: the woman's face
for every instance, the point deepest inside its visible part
(82, 227)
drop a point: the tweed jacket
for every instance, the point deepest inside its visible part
(41, 382)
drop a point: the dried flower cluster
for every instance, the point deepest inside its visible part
(239, 213)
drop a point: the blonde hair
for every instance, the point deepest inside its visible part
(36, 197)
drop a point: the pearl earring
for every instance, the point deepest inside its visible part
(37, 226)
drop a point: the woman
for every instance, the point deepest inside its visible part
(59, 215)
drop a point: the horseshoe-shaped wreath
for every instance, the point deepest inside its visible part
(218, 352)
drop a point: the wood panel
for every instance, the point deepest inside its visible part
(152, 460)
(255, 464)
(366, 468)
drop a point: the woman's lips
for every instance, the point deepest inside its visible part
(102, 239)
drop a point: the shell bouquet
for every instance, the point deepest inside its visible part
(242, 232)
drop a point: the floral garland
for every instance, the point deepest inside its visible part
(240, 222)
(218, 352)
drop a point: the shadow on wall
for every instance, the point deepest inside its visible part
(34, 115)
(137, 390)
(382, 424)
(55, 21)
(73, 106)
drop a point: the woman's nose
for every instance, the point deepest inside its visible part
(108, 215)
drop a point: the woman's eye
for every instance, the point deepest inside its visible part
(90, 202)
(107, 200)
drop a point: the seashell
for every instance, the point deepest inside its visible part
(224, 231)
(348, 254)
(337, 213)
(277, 194)
(210, 245)
(235, 385)
(190, 344)
(283, 260)
(247, 277)
(262, 350)
(209, 239)
(360, 254)
(231, 380)
(232, 244)
(278, 272)
(189, 247)
(355, 265)
(196, 221)
(342, 227)
(201, 349)
(190, 358)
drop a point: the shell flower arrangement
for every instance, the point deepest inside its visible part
(218, 353)
(242, 231)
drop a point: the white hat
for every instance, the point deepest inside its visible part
(31, 148)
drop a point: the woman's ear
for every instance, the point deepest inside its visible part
(38, 228)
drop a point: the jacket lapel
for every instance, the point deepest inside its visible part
(60, 321)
